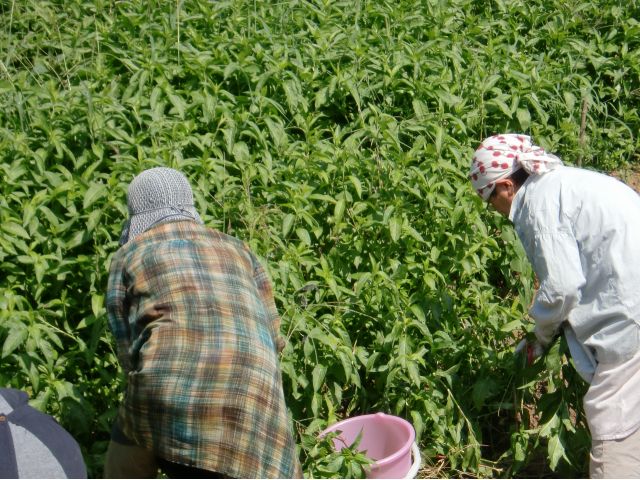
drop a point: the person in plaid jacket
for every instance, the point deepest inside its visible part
(197, 334)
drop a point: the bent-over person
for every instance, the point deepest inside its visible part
(197, 333)
(581, 232)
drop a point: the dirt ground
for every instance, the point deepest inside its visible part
(630, 176)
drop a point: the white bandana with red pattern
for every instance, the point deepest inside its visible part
(499, 156)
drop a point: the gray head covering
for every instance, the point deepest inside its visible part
(33, 444)
(157, 195)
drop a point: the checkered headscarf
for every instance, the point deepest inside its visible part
(499, 156)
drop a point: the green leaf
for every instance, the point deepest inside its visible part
(418, 424)
(346, 365)
(524, 118)
(178, 103)
(357, 185)
(15, 229)
(418, 312)
(318, 374)
(241, 152)
(420, 109)
(338, 210)
(512, 326)
(412, 232)
(303, 235)
(16, 337)
(414, 373)
(97, 304)
(316, 403)
(504, 108)
(287, 222)
(93, 194)
(483, 389)
(93, 220)
(277, 132)
(555, 451)
(519, 452)
(395, 228)
(78, 238)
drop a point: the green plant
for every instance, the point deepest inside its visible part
(322, 460)
(333, 137)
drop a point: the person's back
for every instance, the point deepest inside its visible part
(203, 352)
(197, 332)
(602, 215)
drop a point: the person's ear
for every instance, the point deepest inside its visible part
(502, 186)
(510, 187)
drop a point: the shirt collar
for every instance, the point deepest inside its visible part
(518, 199)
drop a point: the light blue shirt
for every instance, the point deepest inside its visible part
(581, 232)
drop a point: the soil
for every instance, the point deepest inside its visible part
(630, 176)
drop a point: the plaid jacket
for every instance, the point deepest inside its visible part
(196, 327)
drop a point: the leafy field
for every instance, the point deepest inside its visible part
(334, 138)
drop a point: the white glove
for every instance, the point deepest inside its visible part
(531, 348)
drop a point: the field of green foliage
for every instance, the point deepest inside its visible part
(334, 137)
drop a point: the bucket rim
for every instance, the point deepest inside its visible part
(398, 420)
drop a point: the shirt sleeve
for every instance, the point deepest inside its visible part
(118, 312)
(266, 293)
(556, 262)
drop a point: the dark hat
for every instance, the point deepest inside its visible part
(33, 444)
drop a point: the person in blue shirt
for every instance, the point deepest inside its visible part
(581, 232)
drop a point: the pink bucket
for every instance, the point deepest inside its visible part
(386, 439)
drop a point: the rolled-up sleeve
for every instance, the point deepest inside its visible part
(556, 262)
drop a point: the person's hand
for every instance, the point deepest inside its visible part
(531, 348)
